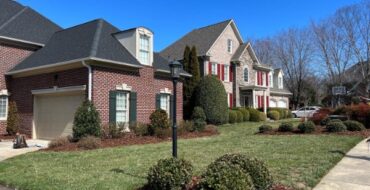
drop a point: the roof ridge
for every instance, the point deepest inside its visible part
(78, 25)
(95, 44)
(13, 17)
(228, 20)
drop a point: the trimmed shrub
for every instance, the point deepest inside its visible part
(354, 125)
(112, 131)
(342, 110)
(283, 113)
(170, 174)
(306, 127)
(232, 116)
(60, 141)
(199, 119)
(286, 127)
(159, 119)
(320, 115)
(263, 116)
(12, 122)
(210, 94)
(325, 121)
(274, 115)
(289, 115)
(223, 176)
(257, 169)
(89, 142)
(86, 121)
(335, 126)
(187, 125)
(140, 129)
(255, 115)
(334, 120)
(265, 128)
(239, 116)
(245, 113)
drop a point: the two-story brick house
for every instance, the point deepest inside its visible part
(223, 52)
(117, 70)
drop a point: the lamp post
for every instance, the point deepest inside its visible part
(175, 67)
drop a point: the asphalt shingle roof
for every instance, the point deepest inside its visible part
(23, 23)
(239, 52)
(203, 38)
(93, 39)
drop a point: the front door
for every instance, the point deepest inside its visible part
(245, 101)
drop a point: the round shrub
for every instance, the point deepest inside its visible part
(325, 121)
(274, 115)
(263, 116)
(223, 176)
(289, 114)
(168, 174)
(239, 116)
(245, 113)
(210, 94)
(58, 142)
(257, 169)
(335, 127)
(86, 121)
(159, 119)
(199, 119)
(354, 125)
(232, 116)
(255, 115)
(89, 142)
(335, 120)
(264, 128)
(306, 127)
(285, 127)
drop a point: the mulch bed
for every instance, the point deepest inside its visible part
(320, 130)
(6, 137)
(132, 139)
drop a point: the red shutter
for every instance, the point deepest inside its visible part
(259, 101)
(261, 80)
(267, 79)
(223, 72)
(231, 73)
(219, 71)
(231, 100)
(209, 68)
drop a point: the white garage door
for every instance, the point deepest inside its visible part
(54, 114)
(273, 103)
(282, 104)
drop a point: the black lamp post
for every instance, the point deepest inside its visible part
(175, 67)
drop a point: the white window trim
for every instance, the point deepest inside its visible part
(263, 79)
(127, 103)
(123, 87)
(271, 80)
(245, 67)
(228, 99)
(6, 108)
(280, 82)
(144, 50)
(226, 73)
(216, 71)
(168, 97)
(230, 46)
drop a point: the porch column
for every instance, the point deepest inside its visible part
(264, 102)
(253, 101)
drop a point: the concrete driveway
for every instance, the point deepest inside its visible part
(7, 151)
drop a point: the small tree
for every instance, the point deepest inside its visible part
(86, 121)
(12, 124)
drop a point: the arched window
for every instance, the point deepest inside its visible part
(246, 74)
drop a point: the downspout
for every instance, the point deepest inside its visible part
(89, 87)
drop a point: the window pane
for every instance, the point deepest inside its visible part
(121, 116)
(246, 74)
(3, 102)
(121, 107)
(226, 73)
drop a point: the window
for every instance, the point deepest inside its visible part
(144, 49)
(214, 69)
(226, 73)
(165, 103)
(122, 107)
(229, 46)
(280, 82)
(263, 79)
(246, 74)
(270, 81)
(3, 107)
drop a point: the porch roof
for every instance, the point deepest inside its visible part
(253, 87)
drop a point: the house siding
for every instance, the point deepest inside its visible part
(9, 57)
(144, 82)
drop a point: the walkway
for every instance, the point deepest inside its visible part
(352, 172)
(7, 151)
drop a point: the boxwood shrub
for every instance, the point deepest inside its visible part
(286, 127)
(199, 119)
(325, 121)
(232, 116)
(354, 125)
(257, 169)
(239, 116)
(245, 113)
(333, 126)
(306, 127)
(255, 115)
(86, 121)
(159, 119)
(169, 174)
(274, 115)
(265, 128)
(210, 95)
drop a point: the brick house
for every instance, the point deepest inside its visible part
(222, 52)
(117, 70)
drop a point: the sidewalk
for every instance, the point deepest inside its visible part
(352, 172)
(7, 151)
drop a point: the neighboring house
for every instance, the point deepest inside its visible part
(117, 70)
(354, 75)
(22, 32)
(222, 52)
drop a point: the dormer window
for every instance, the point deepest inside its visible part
(144, 49)
(229, 46)
(280, 82)
(246, 74)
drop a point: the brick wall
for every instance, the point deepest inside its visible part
(141, 81)
(9, 57)
(20, 90)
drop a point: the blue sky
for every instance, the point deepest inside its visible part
(171, 19)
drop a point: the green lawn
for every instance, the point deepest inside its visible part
(292, 159)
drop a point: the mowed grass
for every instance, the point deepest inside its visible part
(292, 159)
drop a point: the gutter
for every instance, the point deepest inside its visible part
(89, 87)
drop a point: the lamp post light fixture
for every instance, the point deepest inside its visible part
(175, 67)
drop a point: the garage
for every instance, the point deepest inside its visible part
(282, 104)
(54, 113)
(273, 103)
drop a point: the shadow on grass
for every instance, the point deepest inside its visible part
(121, 171)
(350, 156)
(337, 152)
